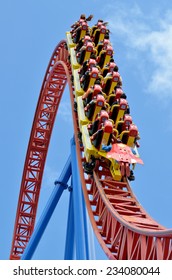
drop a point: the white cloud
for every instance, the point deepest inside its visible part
(65, 111)
(149, 38)
(50, 175)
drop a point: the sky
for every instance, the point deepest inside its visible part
(141, 34)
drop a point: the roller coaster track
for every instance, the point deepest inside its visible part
(123, 228)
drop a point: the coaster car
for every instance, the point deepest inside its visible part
(118, 159)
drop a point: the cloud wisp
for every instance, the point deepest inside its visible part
(149, 38)
(65, 111)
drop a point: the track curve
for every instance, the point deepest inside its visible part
(122, 226)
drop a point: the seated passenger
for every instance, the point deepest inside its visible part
(99, 34)
(94, 107)
(110, 67)
(79, 32)
(103, 136)
(97, 124)
(83, 42)
(89, 78)
(85, 52)
(99, 23)
(114, 139)
(130, 136)
(81, 19)
(110, 81)
(105, 56)
(87, 65)
(77, 23)
(102, 45)
(117, 110)
(92, 92)
(115, 96)
(119, 93)
(124, 124)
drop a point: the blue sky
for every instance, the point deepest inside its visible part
(141, 34)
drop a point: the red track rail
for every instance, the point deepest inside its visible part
(123, 228)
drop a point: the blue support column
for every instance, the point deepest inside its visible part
(78, 207)
(89, 236)
(60, 185)
(70, 234)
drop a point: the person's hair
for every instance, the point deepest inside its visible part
(93, 56)
(97, 82)
(116, 68)
(82, 16)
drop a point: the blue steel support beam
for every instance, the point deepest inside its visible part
(69, 246)
(60, 186)
(79, 226)
(89, 235)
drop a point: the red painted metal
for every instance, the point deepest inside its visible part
(49, 99)
(123, 228)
